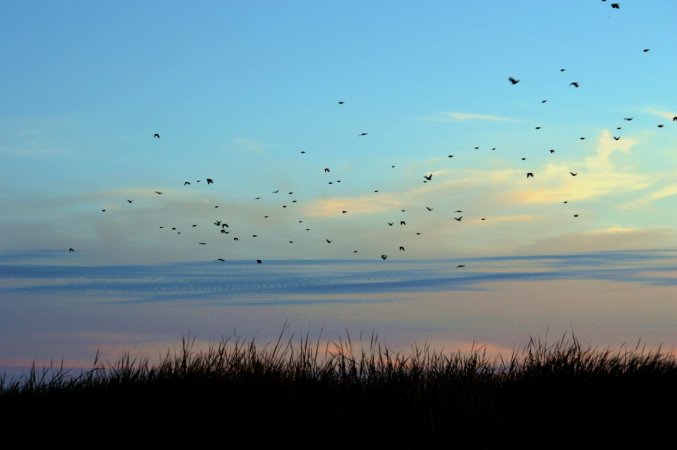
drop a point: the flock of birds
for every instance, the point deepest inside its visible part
(225, 229)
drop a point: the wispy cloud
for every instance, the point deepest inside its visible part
(453, 116)
(669, 115)
(246, 145)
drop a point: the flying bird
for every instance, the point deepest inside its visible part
(674, 119)
(384, 257)
(428, 177)
(460, 265)
(221, 259)
(574, 84)
(458, 219)
(616, 138)
(628, 118)
(428, 208)
(616, 5)
(326, 170)
(362, 134)
(530, 175)
(158, 192)
(210, 181)
(186, 183)
(402, 222)
(71, 250)
(646, 50)
(341, 102)
(513, 80)
(401, 248)
(573, 174)
(129, 201)
(258, 261)
(552, 150)
(156, 136)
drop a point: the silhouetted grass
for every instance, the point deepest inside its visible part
(298, 392)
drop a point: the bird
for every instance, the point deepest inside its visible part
(326, 170)
(258, 261)
(616, 138)
(186, 183)
(538, 128)
(328, 241)
(402, 222)
(217, 223)
(513, 80)
(384, 257)
(428, 177)
(303, 152)
(460, 265)
(344, 211)
(628, 118)
(275, 192)
(221, 259)
(362, 134)
(210, 181)
(71, 250)
(156, 136)
(401, 248)
(202, 243)
(458, 219)
(129, 201)
(236, 239)
(646, 50)
(581, 138)
(390, 223)
(543, 101)
(574, 84)
(674, 119)
(530, 175)
(428, 208)
(616, 5)
(451, 156)
(341, 102)
(660, 125)
(575, 215)
(158, 192)
(573, 174)
(552, 150)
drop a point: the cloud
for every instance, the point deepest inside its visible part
(615, 237)
(597, 176)
(451, 117)
(245, 145)
(363, 204)
(664, 114)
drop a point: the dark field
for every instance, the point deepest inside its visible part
(295, 392)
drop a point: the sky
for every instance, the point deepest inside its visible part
(237, 90)
(318, 123)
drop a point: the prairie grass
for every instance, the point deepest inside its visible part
(297, 391)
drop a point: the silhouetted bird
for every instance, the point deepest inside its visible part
(129, 201)
(428, 177)
(552, 150)
(328, 241)
(71, 250)
(575, 215)
(384, 257)
(628, 118)
(202, 243)
(616, 138)
(210, 181)
(362, 134)
(460, 265)
(402, 222)
(574, 84)
(530, 175)
(458, 219)
(258, 261)
(573, 174)
(221, 259)
(186, 183)
(156, 136)
(326, 170)
(391, 223)
(428, 208)
(616, 5)
(401, 248)
(341, 102)
(158, 192)
(674, 119)
(513, 80)
(660, 125)
(646, 50)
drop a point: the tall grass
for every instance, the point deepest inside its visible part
(300, 390)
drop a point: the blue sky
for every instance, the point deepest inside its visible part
(238, 89)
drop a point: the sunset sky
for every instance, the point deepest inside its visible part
(237, 90)
(248, 94)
